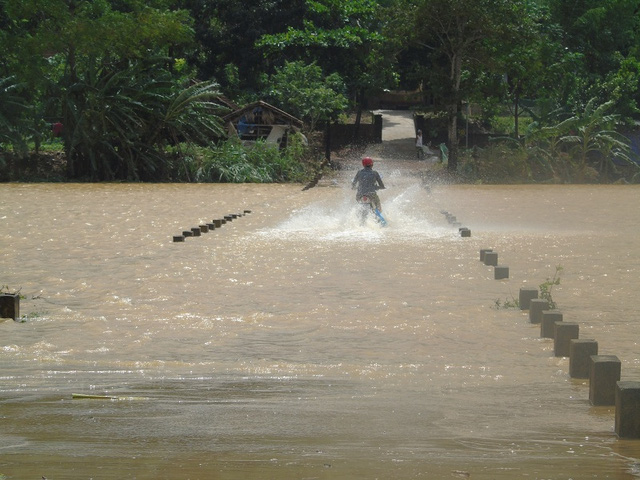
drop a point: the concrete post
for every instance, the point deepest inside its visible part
(483, 252)
(547, 325)
(187, 233)
(204, 228)
(218, 223)
(536, 307)
(465, 232)
(491, 258)
(580, 352)
(500, 272)
(604, 373)
(628, 409)
(10, 305)
(525, 297)
(178, 238)
(564, 333)
(196, 231)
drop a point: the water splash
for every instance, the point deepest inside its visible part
(407, 209)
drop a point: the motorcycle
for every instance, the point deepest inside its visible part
(366, 206)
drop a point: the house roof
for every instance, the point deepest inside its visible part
(278, 116)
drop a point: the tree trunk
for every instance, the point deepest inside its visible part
(359, 99)
(68, 121)
(327, 143)
(456, 78)
(516, 114)
(452, 164)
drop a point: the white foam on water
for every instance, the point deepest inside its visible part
(409, 217)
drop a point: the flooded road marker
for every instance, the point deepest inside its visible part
(548, 323)
(564, 333)
(580, 352)
(10, 305)
(500, 272)
(536, 307)
(627, 401)
(526, 295)
(604, 373)
(491, 259)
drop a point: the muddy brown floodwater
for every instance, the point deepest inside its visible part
(295, 343)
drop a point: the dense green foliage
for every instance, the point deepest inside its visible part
(122, 121)
(138, 84)
(231, 162)
(582, 147)
(303, 91)
(13, 115)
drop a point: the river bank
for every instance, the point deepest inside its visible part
(494, 165)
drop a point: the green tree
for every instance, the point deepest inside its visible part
(457, 33)
(226, 32)
(603, 39)
(598, 29)
(304, 91)
(523, 60)
(342, 37)
(74, 51)
(623, 87)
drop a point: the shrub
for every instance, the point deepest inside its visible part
(232, 162)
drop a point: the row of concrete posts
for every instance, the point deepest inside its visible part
(207, 227)
(603, 371)
(488, 256)
(10, 302)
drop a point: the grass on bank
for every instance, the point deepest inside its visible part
(233, 162)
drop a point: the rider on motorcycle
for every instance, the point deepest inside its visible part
(368, 181)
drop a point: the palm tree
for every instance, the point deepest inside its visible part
(120, 121)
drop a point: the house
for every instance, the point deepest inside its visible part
(261, 121)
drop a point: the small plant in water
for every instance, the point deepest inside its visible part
(5, 289)
(547, 286)
(545, 293)
(507, 303)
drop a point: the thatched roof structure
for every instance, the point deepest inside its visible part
(261, 121)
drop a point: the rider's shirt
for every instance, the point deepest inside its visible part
(368, 181)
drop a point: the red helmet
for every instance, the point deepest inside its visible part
(367, 162)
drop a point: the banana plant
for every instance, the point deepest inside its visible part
(591, 137)
(13, 111)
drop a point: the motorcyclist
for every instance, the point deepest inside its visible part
(368, 181)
